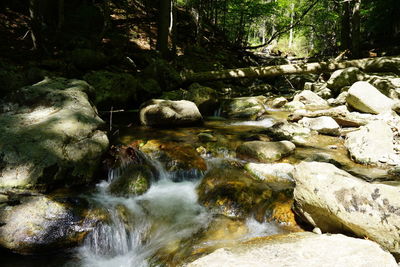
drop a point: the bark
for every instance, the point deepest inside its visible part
(355, 30)
(367, 64)
(345, 26)
(163, 27)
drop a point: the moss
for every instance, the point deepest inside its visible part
(135, 180)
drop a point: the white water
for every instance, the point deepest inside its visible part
(140, 226)
(261, 123)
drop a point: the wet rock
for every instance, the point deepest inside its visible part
(166, 113)
(233, 192)
(310, 99)
(265, 151)
(206, 137)
(294, 105)
(245, 107)
(40, 224)
(323, 125)
(371, 143)
(300, 249)
(135, 180)
(51, 137)
(279, 102)
(287, 131)
(278, 176)
(335, 201)
(366, 98)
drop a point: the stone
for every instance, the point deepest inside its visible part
(310, 99)
(337, 202)
(231, 191)
(284, 130)
(245, 107)
(339, 100)
(366, 98)
(345, 77)
(39, 224)
(278, 176)
(294, 105)
(207, 137)
(135, 180)
(279, 102)
(299, 249)
(166, 113)
(323, 125)
(51, 137)
(370, 143)
(265, 151)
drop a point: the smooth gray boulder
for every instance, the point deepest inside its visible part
(372, 143)
(345, 77)
(299, 249)
(278, 176)
(50, 138)
(310, 99)
(366, 98)
(337, 202)
(165, 113)
(265, 151)
(323, 125)
(245, 107)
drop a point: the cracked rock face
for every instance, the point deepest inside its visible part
(50, 137)
(335, 201)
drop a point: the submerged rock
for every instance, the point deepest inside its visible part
(323, 125)
(40, 224)
(231, 191)
(371, 144)
(166, 113)
(265, 151)
(279, 176)
(300, 249)
(245, 107)
(366, 98)
(335, 201)
(51, 137)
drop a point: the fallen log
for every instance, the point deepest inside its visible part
(377, 64)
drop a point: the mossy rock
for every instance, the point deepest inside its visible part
(229, 190)
(135, 180)
(87, 59)
(113, 89)
(166, 76)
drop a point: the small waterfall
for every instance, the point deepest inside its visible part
(218, 112)
(137, 227)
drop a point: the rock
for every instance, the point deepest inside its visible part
(112, 89)
(345, 77)
(371, 143)
(335, 201)
(340, 99)
(245, 107)
(39, 224)
(294, 105)
(278, 176)
(50, 138)
(87, 59)
(299, 249)
(265, 151)
(206, 137)
(134, 180)
(279, 102)
(323, 125)
(310, 99)
(366, 98)
(231, 191)
(166, 113)
(287, 131)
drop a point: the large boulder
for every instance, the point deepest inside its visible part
(345, 77)
(278, 176)
(245, 107)
(335, 201)
(323, 125)
(299, 249)
(51, 137)
(38, 224)
(164, 113)
(284, 130)
(265, 151)
(366, 98)
(371, 144)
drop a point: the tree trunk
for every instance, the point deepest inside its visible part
(368, 64)
(355, 30)
(164, 21)
(345, 41)
(291, 32)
